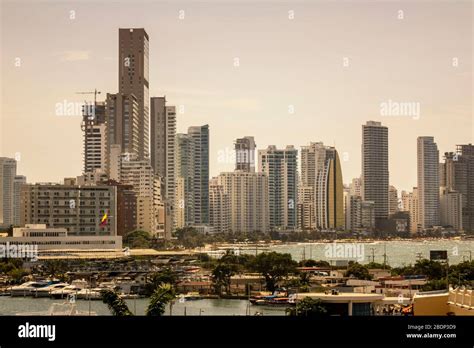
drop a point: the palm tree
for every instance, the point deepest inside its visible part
(162, 295)
(116, 305)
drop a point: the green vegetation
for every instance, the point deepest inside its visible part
(13, 269)
(55, 269)
(138, 240)
(165, 276)
(274, 267)
(358, 271)
(221, 277)
(161, 296)
(116, 304)
(439, 274)
(308, 307)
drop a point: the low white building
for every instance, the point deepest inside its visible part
(57, 238)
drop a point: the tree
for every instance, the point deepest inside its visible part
(156, 307)
(116, 305)
(358, 271)
(221, 277)
(428, 268)
(55, 268)
(308, 307)
(165, 276)
(137, 239)
(189, 237)
(16, 275)
(274, 267)
(158, 300)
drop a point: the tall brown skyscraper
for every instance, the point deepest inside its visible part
(133, 78)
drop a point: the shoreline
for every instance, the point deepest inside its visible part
(325, 241)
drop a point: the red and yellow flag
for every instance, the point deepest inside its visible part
(103, 221)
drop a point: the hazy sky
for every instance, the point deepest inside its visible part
(307, 71)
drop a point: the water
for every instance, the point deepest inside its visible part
(13, 305)
(399, 253)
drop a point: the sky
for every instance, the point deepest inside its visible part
(287, 73)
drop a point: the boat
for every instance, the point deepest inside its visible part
(26, 289)
(278, 298)
(73, 289)
(89, 294)
(191, 296)
(46, 291)
(271, 301)
(129, 296)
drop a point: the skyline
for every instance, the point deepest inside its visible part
(218, 104)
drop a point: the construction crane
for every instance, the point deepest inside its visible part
(95, 92)
(88, 120)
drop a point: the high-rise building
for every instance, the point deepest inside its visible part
(329, 193)
(219, 207)
(134, 79)
(451, 209)
(146, 214)
(353, 212)
(321, 169)
(7, 190)
(280, 167)
(249, 205)
(159, 207)
(305, 209)
(360, 215)
(413, 207)
(405, 196)
(121, 115)
(184, 192)
(245, 154)
(428, 182)
(367, 215)
(355, 187)
(18, 183)
(392, 200)
(200, 137)
(137, 173)
(94, 133)
(375, 173)
(81, 210)
(126, 210)
(458, 175)
(163, 138)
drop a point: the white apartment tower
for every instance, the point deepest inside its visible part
(249, 206)
(280, 167)
(219, 207)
